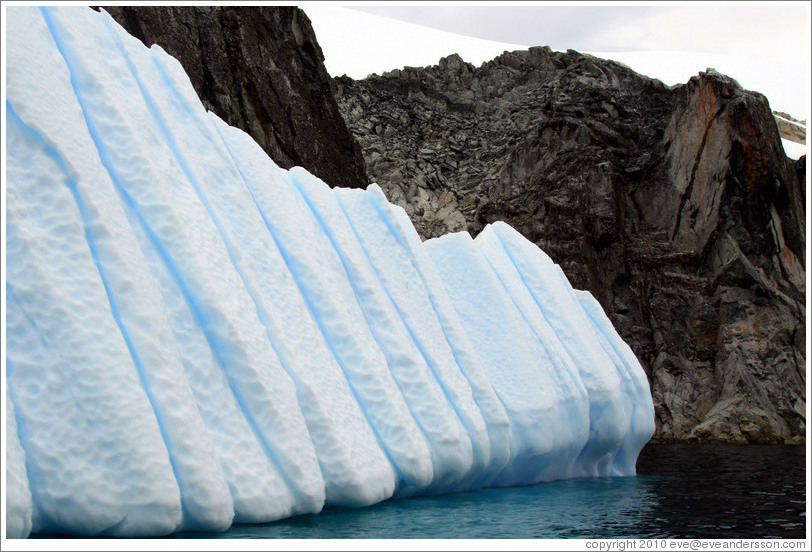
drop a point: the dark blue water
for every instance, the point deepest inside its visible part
(681, 491)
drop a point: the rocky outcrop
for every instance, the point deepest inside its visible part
(676, 207)
(259, 69)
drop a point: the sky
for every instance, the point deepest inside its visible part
(773, 32)
(764, 46)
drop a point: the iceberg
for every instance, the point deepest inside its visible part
(196, 337)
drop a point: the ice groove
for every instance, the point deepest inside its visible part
(224, 236)
(165, 257)
(460, 417)
(574, 377)
(71, 183)
(312, 309)
(533, 295)
(366, 315)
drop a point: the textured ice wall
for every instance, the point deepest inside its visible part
(196, 337)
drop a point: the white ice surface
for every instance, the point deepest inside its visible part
(196, 337)
(608, 411)
(516, 363)
(297, 282)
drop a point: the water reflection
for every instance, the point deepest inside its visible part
(563, 509)
(682, 491)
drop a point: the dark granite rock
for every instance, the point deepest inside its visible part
(259, 69)
(676, 207)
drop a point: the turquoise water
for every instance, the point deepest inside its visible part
(566, 509)
(682, 491)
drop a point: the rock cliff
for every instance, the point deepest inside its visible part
(260, 69)
(676, 207)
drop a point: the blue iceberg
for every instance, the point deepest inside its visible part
(197, 337)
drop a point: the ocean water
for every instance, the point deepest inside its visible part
(681, 491)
